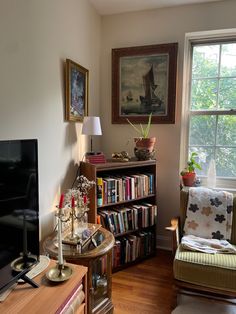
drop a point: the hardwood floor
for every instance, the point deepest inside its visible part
(146, 288)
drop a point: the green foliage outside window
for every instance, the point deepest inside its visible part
(214, 88)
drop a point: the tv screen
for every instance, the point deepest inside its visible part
(19, 209)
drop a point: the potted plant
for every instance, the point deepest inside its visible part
(144, 145)
(189, 174)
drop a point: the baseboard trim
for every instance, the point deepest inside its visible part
(164, 243)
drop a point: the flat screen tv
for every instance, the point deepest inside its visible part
(19, 210)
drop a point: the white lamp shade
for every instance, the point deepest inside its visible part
(91, 126)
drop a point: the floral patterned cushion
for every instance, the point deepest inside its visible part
(209, 214)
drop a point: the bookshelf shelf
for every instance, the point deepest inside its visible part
(124, 200)
(127, 201)
(133, 231)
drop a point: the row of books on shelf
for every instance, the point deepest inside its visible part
(122, 219)
(122, 188)
(131, 247)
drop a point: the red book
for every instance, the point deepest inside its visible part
(96, 159)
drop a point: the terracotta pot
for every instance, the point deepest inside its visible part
(145, 143)
(189, 178)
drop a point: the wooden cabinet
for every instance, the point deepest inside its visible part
(49, 298)
(128, 210)
(98, 261)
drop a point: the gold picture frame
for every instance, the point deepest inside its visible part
(76, 91)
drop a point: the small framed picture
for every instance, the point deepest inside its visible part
(76, 91)
(144, 82)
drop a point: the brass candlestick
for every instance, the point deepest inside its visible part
(79, 214)
(73, 216)
(59, 273)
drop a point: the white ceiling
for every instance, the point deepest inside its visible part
(106, 7)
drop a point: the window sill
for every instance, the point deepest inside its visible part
(221, 184)
(233, 191)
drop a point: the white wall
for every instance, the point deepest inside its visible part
(36, 38)
(154, 27)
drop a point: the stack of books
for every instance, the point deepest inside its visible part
(96, 158)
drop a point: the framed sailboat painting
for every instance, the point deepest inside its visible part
(144, 82)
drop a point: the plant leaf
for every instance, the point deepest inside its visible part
(136, 129)
(149, 124)
(142, 130)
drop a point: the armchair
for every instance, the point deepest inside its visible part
(198, 272)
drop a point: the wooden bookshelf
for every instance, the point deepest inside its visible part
(124, 169)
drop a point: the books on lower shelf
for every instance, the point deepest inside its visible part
(132, 247)
(122, 219)
(120, 188)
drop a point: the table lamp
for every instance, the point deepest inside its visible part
(91, 126)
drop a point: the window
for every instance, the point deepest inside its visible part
(211, 105)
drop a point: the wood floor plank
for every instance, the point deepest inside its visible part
(145, 288)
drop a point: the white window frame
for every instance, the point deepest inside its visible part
(190, 38)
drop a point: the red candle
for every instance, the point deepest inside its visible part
(85, 199)
(72, 202)
(61, 201)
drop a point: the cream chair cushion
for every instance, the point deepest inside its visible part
(216, 271)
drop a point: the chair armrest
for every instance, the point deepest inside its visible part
(174, 224)
(174, 228)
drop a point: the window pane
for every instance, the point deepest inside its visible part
(204, 94)
(213, 87)
(228, 60)
(205, 61)
(227, 93)
(202, 130)
(226, 162)
(226, 131)
(205, 154)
